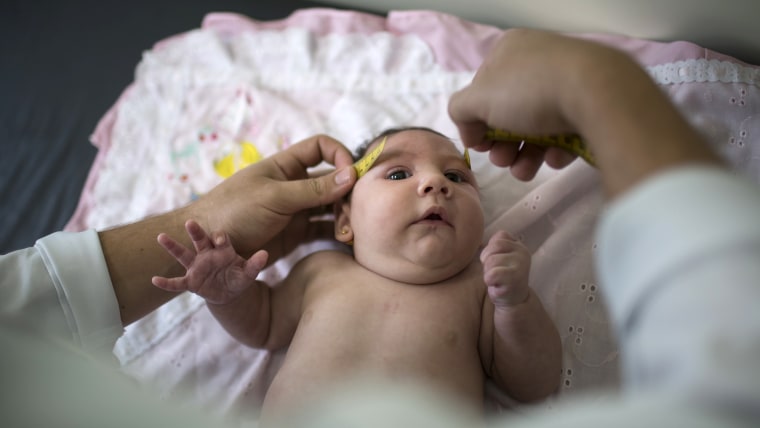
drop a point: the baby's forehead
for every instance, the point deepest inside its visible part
(407, 141)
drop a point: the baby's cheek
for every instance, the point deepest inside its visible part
(474, 235)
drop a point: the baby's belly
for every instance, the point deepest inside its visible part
(443, 359)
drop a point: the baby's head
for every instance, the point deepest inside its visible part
(416, 215)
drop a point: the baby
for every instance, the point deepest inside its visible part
(413, 302)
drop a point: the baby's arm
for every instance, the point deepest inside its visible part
(228, 283)
(521, 348)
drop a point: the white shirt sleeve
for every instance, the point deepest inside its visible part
(680, 262)
(62, 286)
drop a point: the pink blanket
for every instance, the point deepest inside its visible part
(210, 101)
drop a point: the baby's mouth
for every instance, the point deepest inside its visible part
(433, 216)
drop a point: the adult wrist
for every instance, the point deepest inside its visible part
(629, 123)
(199, 212)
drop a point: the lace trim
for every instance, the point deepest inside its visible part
(703, 70)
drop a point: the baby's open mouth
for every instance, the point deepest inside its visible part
(435, 215)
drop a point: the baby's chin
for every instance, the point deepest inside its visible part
(418, 272)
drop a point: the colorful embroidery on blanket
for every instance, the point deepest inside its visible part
(221, 139)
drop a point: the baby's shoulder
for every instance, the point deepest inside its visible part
(319, 260)
(317, 266)
(322, 255)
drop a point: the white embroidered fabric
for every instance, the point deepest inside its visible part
(704, 70)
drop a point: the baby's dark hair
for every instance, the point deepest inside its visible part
(362, 149)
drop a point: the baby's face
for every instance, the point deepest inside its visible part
(416, 215)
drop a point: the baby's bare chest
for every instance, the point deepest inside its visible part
(390, 328)
(428, 334)
(354, 325)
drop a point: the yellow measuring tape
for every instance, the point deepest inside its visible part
(365, 163)
(570, 142)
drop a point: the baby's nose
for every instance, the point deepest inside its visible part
(434, 185)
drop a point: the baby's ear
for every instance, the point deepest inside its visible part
(343, 231)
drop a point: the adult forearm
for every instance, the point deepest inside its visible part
(629, 123)
(133, 257)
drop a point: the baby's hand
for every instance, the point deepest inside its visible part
(506, 265)
(214, 270)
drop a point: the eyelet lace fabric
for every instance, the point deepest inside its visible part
(704, 70)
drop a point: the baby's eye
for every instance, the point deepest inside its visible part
(455, 177)
(398, 175)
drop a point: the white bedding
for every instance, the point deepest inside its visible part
(235, 89)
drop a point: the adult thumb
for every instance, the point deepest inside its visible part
(297, 195)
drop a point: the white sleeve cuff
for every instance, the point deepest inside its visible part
(79, 273)
(664, 225)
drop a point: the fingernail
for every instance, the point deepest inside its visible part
(343, 176)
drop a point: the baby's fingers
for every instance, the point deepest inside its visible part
(256, 263)
(201, 240)
(170, 284)
(500, 242)
(183, 255)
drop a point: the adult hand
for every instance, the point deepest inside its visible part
(260, 207)
(265, 206)
(519, 88)
(536, 82)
